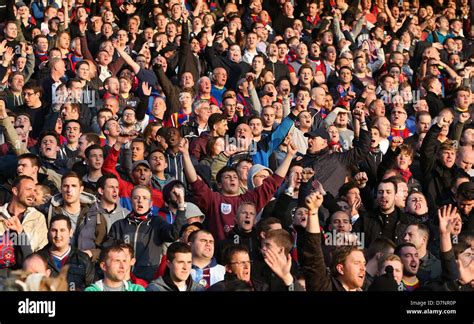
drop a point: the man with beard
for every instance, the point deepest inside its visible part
(140, 175)
(411, 263)
(19, 216)
(115, 264)
(347, 270)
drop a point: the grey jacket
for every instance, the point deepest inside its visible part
(164, 283)
(111, 217)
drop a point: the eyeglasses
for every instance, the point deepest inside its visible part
(29, 94)
(242, 263)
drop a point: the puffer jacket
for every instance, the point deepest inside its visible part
(34, 225)
(91, 227)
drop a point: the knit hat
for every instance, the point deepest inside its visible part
(385, 282)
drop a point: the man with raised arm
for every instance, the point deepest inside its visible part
(220, 208)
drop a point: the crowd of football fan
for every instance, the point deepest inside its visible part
(238, 145)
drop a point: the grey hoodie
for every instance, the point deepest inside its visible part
(256, 168)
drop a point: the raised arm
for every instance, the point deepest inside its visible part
(189, 169)
(143, 104)
(127, 58)
(429, 146)
(285, 164)
(10, 133)
(314, 267)
(446, 216)
(170, 232)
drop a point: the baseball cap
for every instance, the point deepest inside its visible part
(318, 132)
(140, 162)
(20, 4)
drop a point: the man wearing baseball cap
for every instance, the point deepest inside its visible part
(331, 168)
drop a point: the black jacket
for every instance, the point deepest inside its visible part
(187, 61)
(234, 70)
(262, 272)
(253, 285)
(370, 164)
(435, 104)
(147, 238)
(437, 178)
(331, 168)
(237, 237)
(81, 270)
(449, 280)
(375, 225)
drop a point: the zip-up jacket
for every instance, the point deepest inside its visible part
(146, 237)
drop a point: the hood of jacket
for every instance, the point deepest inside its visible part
(256, 168)
(85, 198)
